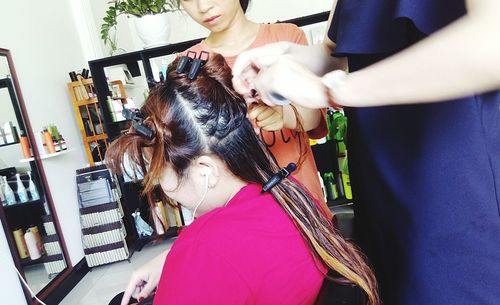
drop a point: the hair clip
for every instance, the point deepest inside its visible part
(197, 64)
(137, 119)
(184, 61)
(276, 178)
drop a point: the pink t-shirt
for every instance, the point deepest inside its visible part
(248, 252)
(285, 144)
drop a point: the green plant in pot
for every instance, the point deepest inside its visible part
(152, 23)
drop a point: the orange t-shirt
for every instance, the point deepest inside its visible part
(285, 143)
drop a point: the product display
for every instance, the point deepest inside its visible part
(48, 142)
(22, 194)
(25, 146)
(2, 196)
(38, 238)
(31, 243)
(10, 197)
(32, 188)
(158, 219)
(9, 133)
(142, 227)
(22, 249)
(331, 190)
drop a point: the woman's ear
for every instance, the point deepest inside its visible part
(208, 167)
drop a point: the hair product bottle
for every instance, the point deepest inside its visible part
(62, 142)
(48, 141)
(21, 190)
(31, 243)
(25, 145)
(20, 243)
(32, 188)
(10, 197)
(40, 143)
(38, 238)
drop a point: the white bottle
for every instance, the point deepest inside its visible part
(32, 189)
(31, 243)
(10, 198)
(21, 190)
(2, 196)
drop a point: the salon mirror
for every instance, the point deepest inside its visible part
(26, 211)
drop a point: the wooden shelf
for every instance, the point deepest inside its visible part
(89, 101)
(102, 136)
(89, 118)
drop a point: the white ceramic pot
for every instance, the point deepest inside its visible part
(154, 30)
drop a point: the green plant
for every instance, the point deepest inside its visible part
(136, 8)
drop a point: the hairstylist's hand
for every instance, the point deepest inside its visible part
(144, 280)
(266, 117)
(249, 63)
(292, 81)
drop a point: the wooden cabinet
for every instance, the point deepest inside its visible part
(89, 116)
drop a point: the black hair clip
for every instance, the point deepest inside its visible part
(137, 119)
(279, 176)
(184, 61)
(196, 65)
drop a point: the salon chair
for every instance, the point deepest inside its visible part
(118, 298)
(332, 293)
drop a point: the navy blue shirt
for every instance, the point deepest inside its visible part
(425, 177)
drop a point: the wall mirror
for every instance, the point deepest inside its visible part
(26, 210)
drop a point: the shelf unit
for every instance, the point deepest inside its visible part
(89, 118)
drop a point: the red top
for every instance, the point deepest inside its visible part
(248, 252)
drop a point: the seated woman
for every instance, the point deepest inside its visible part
(245, 246)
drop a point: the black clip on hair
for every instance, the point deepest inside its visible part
(197, 64)
(137, 119)
(279, 176)
(184, 61)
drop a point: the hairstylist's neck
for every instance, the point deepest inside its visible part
(236, 38)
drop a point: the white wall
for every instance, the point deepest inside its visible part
(186, 29)
(43, 40)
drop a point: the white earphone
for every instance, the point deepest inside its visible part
(206, 174)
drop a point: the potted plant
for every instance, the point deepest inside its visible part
(151, 23)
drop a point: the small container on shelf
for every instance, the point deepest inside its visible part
(31, 242)
(32, 188)
(22, 248)
(10, 197)
(25, 145)
(22, 194)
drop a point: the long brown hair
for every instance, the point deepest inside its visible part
(195, 117)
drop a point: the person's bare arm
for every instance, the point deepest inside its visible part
(461, 59)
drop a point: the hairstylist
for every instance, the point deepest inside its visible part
(245, 246)
(425, 171)
(232, 33)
